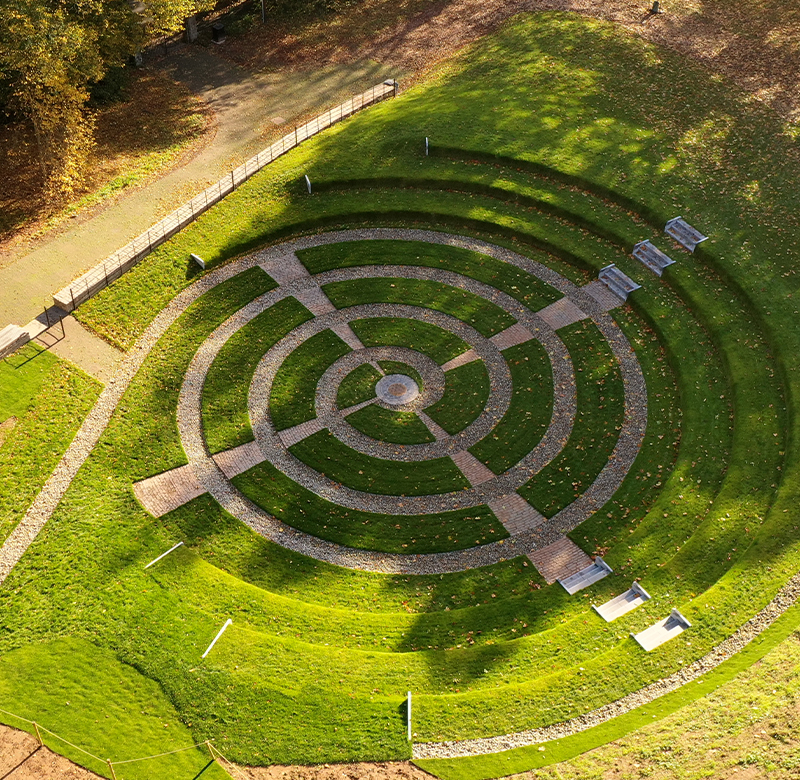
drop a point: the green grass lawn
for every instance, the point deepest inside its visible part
(21, 377)
(42, 434)
(548, 140)
(485, 317)
(597, 422)
(225, 419)
(387, 425)
(327, 455)
(529, 412)
(466, 391)
(302, 509)
(295, 386)
(358, 386)
(423, 337)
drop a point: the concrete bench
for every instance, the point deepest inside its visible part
(12, 337)
(623, 603)
(616, 281)
(684, 233)
(586, 577)
(651, 256)
(663, 631)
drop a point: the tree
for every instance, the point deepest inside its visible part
(51, 51)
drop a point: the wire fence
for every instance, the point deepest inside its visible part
(116, 264)
(111, 766)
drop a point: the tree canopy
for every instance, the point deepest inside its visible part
(51, 51)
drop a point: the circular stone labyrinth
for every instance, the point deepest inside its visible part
(404, 386)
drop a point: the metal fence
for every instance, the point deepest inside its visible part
(116, 264)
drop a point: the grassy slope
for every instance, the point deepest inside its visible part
(721, 162)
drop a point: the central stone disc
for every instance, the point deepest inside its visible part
(396, 389)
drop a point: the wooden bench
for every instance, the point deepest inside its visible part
(12, 337)
(651, 256)
(684, 233)
(616, 281)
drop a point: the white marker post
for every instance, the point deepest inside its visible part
(221, 632)
(308, 184)
(163, 555)
(408, 714)
(426, 145)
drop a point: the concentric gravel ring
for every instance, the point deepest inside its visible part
(628, 443)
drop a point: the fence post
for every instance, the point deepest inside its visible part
(38, 733)
(111, 769)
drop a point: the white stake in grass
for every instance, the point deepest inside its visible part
(163, 555)
(426, 145)
(308, 184)
(221, 632)
(408, 714)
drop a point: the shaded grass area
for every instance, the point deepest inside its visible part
(47, 683)
(358, 386)
(330, 457)
(226, 422)
(387, 425)
(529, 412)
(295, 386)
(466, 391)
(21, 378)
(414, 334)
(42, 434)
(226, 543)
(522, 286)
(600, 405)
(302, 509)
(485, 317)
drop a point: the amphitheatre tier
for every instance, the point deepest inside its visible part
(364, 549)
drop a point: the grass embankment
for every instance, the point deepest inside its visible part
(575, 96)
